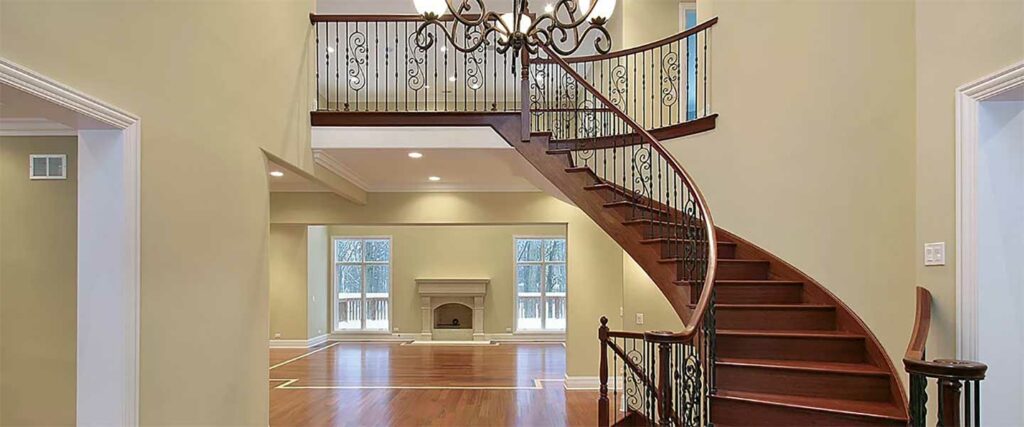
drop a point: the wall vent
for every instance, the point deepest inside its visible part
(47, 166)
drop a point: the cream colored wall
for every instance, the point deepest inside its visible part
(957, 42)
(453, 252)
(594, 259)
(641, 295)
(288, 282)
(38, 285)
(645, 21)
(813, 157)
(318, 280)
(213, 82)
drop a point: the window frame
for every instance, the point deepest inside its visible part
(335, 299)
(543, 292)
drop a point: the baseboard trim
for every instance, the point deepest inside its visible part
(556, 338)
(385, 337)
(312, 342)
(591, 383)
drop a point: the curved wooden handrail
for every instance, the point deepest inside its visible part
(652, 45)
(922, 323)
(914, 359)
(691, 325)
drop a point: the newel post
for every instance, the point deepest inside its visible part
(949, 402)
(525, 95)
(664, 385)
(602, 401)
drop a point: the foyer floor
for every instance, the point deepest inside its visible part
(381, 384)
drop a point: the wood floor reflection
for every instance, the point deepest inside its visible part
(385, 384)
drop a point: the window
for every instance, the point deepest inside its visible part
(540, 284)
(362, 279)
(688, 19)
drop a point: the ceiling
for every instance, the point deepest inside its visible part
(460, 169)
(291, 181)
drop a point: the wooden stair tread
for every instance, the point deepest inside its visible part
(885, 410)
(654, 240)
(775, 306)
(806, 365)
(838, 335)
(720, 261)
(739, 282)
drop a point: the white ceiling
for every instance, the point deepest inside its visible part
(460, 169)
(291, 181)
(466, 158)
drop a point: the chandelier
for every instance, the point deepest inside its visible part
(558, 27)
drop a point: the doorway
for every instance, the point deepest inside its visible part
(991, 238)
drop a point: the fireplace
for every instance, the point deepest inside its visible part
(452, 309)
(453, 316)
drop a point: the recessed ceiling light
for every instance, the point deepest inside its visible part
(435, 178)
(451, 79)
(415, 155)
(330, 49)
(444, 49)
(276, 174)
(549, 8)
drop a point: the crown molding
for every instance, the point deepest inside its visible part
(34, 127)
(324, 159)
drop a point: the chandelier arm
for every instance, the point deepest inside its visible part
(570, 7)
(602, 43)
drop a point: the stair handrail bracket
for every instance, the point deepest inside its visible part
(953, 376)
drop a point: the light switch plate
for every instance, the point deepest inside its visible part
(935, 253)
(639, 318)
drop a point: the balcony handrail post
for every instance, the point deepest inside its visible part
(602, 401)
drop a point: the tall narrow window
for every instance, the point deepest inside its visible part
(540, 284)
(688, 17)
(362, 279)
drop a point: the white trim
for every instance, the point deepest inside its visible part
(360, 336)
(108, 267)
(592, 383)
(538, 384)
(34, 127)
(324, 159)
(312, 342)
(968, 98)
(545, 337)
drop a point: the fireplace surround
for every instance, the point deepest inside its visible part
(444, 300)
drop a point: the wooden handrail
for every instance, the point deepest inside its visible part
(952, 375)
(692, 325)
(645, 47)
(922, 323)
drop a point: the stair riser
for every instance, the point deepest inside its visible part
(802, 383)
(742, 271)
(742, 413)
(633, 212)
(759, 294)
(776, 319)
(791, 348)
(677, 249)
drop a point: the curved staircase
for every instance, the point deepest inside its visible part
(778, 348)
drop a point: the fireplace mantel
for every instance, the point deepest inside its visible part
(434, 292)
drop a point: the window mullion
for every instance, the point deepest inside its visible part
(362, 302)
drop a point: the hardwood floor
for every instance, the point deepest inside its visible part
(380, 384)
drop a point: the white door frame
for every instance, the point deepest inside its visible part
(107, 364)
(968, 100)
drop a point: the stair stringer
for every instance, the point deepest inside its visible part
(815, 293)
(610, 220)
